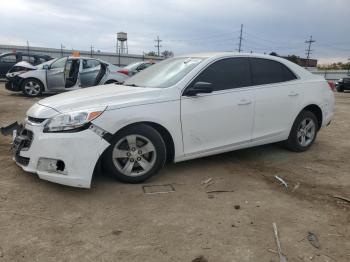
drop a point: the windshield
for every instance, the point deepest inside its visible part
(165, 73)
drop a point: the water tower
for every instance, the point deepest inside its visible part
(122, 43)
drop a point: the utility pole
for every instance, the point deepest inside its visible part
(349, 67)
(308, 50)
(62, 46)
(91, 50)
(158, 44)
(240, 40)
(28, 48)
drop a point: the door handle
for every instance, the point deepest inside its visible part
(244, 102)
(293, 94)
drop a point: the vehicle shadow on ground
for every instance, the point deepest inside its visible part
(166, 175)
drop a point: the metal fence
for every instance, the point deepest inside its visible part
(116, 59)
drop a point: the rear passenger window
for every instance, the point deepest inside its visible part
(266, 71)
(226, 74)
(90, 63)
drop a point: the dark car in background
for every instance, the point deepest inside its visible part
(8, 60)
(343, 84)
(134, 68)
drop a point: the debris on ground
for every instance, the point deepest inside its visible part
(296, 187)
(272, 251)
(282, 181)
(283, 258)
(158, 189)
(220, 191)
(117, 232)
(200, 259)
(237, 207)
(207, 181)
(313, 240)
(342, 198)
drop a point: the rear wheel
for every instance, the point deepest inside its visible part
(303, 133)
(340, 90)
(136, 153)
(32, 87)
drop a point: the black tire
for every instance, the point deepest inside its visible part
(144, 131)
(38, 91)
(340, 90)
(293, 143)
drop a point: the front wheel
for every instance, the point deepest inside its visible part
(303, 133)
(135, 154)
(32, 87)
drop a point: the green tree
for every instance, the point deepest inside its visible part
(167, 53)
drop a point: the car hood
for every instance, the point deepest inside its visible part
(25, 65)
(113, 96)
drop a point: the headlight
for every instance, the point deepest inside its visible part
(73, 121)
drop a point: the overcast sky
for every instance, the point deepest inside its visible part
(185, 26)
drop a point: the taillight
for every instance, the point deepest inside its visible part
(124, 71)
(331, 85)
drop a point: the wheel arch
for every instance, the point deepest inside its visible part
(164, 132)
(111, 81)
(34, 78)
(317, 111)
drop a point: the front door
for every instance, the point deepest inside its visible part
(55, 74)
(221, 119)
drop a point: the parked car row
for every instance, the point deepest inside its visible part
(67, 73)
(343, 84)
(182, 108)
(59, 75)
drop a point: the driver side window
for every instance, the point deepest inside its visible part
(227, 73)
(60, 63)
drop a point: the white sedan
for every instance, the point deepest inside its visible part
(179, 109)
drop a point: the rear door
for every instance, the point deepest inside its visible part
(276, 95)
(89, 72)
(221, 119)
(55, 74)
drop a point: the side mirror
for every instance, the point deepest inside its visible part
(199, 88)
(46, 67)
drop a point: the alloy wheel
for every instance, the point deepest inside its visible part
(306, 132)
(32, 88)
(134, 155)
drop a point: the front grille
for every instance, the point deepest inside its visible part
(36, 120)
(24, 161)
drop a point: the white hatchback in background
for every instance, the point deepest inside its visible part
(181, 108)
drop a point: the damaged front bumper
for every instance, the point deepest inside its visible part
(64, 158)
(14, 83)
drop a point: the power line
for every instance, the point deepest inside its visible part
(240, 40)
(158, 44)
(308, 50)
(91, 50)
(62, 50)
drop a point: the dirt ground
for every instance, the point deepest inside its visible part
(42, 221)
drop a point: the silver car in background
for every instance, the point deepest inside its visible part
(60, 75)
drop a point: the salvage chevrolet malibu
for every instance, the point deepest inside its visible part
(181, 108)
